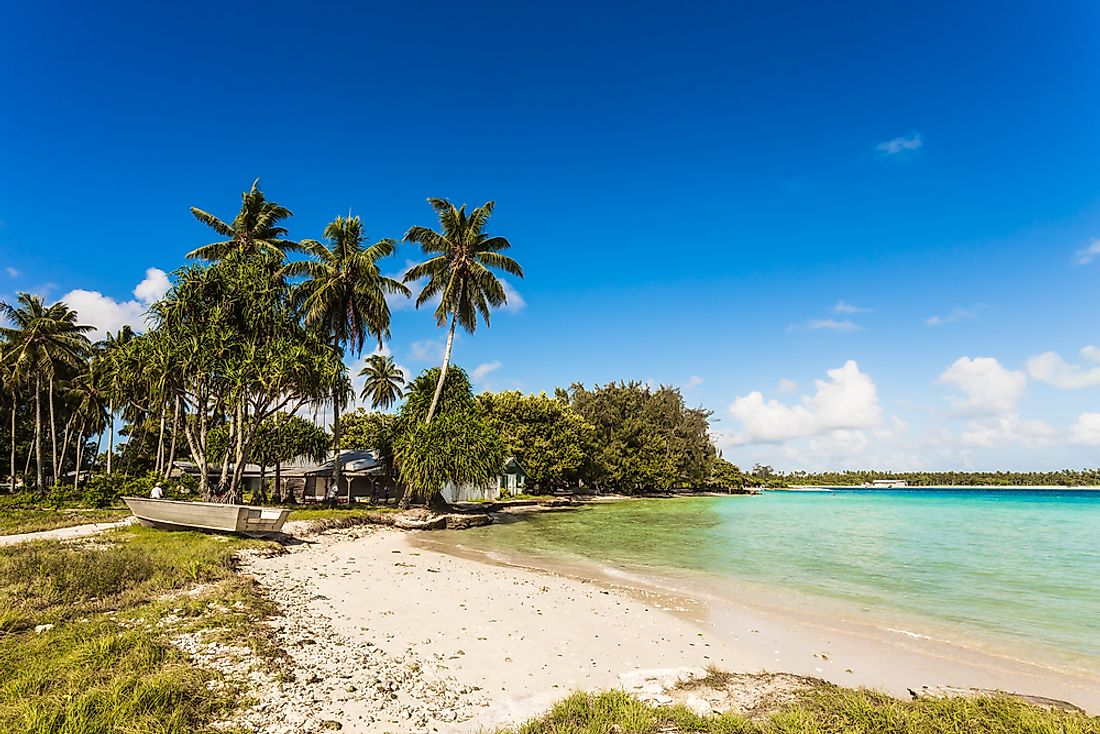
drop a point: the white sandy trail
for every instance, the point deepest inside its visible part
(69, 533)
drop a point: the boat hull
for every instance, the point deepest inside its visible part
(210, 517)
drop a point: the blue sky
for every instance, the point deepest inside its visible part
(730, 198)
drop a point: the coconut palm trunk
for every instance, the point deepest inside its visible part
(336, 462)
(39, 478)
(13, 408)
(79, 455)
(53, 436)
(443, 369)
(110, 433)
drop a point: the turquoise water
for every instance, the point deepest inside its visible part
(1014, 569)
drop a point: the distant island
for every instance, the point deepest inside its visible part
(766, 477)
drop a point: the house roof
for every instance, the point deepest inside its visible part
(351, 462)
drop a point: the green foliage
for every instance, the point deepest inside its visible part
(724, 475)
(454, 447)
(279, 438)
(645, 439)
(457, 446)
(460, 264)
(104, 490)
(549, 439)
(830, 710)
(457, 395)
(384, 381)
(364, 430)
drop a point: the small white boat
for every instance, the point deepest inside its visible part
(206, 516)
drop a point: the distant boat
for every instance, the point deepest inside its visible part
(209, 517)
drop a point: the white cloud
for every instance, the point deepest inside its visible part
(106, 314)
(1086, 430)
(845, 307)
(847, 400)
(484, 370)
(957, 314)
(786, 386)
(900, 144)
(426, 350)
(988, 388)
(153, 288)
(1088, 254)
(515, 302)
(833, 325)
(12, 272)
(991, 433)
(693, 381)
(1049, 367)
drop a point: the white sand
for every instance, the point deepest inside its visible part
(527, 637)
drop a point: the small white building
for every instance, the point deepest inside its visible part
(512, 480)
(888, 483)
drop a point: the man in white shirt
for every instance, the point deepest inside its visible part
(157, 493)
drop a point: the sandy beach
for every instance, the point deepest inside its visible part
(390, 633)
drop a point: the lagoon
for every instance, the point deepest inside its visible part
(1008, 572)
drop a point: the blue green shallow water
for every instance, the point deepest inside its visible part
(1018, 570)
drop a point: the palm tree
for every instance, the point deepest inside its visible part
(255, 230)
(385, 381)
(109, 375)
(89, 412)
(343, 296)
(10, 382)
(459, 272)
(42, 340)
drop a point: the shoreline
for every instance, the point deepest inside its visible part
(780, 634)
(508, 641)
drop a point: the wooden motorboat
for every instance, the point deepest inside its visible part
(207, 516)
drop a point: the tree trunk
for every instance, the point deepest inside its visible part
(336, 462)
(65, 443)
(39, 481)
(263, 488)
(172, 446)
(443, 369)
(110, 433)
(79, 455)
(53, 436)
(160, 441)
(98, 447)
(436, 503)
(279, 499)
(14, 405)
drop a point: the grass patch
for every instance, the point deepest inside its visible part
(830, 710)
(337, 513)
(14, 521)
(106, 665)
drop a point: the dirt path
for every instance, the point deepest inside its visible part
(76, 531)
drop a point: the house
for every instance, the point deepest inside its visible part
(362, 474)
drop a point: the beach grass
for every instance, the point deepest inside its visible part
(106, 664)
(829, 710)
